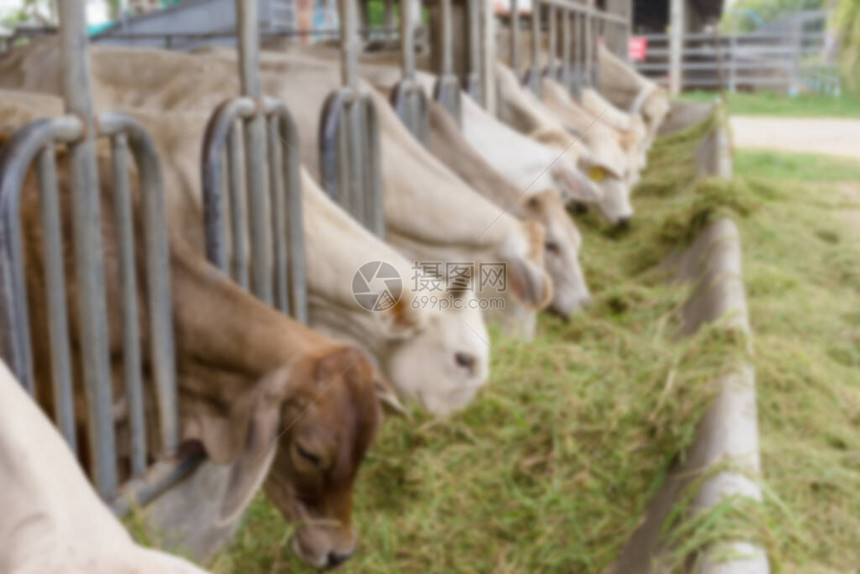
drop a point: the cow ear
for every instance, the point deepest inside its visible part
(529, 283)
(401, 320)
(577, 186)
(388, 398)
(250, 468)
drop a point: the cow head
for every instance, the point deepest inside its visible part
(655, 108)
(325, 429)
(562, 242)
(442, 366)
(614, 183)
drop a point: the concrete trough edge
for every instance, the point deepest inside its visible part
(724, 460)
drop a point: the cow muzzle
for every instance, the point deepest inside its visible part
(324, 548)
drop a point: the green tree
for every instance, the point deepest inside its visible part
(746, 15)
(846, 23)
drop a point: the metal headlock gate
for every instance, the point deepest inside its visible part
(466, 39)
(408, 97)
(36, 142)
(274, 221)
(583, 28)
(349, 137)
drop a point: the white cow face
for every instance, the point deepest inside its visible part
(614, 202)
(443, 366)
(562, 242)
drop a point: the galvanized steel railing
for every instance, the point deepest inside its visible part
(349, 137)
(274, 220)
(36, 142)
(408, 97)
(583, 27)
(447, 89)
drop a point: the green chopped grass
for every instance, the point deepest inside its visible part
(776, 104)
(550, 470)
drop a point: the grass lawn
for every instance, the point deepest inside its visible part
(774, 104)
(802, 270)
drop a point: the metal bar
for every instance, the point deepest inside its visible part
(277, 214)
(15, 159)
(474, 85)
(291, 163)
(587, 49)
(237, 208)
(344, 186)
(255, 149)
(58, 318)
(552, 15)
(566, 42)
(157, 479)
(407, 38)
(354, 127)
(515, 36)
(128, 288)
(532, 78)
(212, 172)
(349, 43)
(447, 39)
(374, 172)
(88, 249)
(447, 89)
(157, 261)
(328, 144)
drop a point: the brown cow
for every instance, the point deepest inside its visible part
(257, 390)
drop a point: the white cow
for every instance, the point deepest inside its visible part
(436, 355)
(563, 240)
(629, 90)
(52, 521)
(604, 161)
(605, 140)
(525, 162)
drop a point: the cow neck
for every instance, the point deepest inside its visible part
(221, 326)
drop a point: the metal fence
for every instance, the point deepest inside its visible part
(572, 58)
(264, 130)
(797, 60)
(78, 131)
(349, 137)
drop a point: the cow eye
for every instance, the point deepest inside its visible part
(552, 246)
(464, 360)
(308, 456)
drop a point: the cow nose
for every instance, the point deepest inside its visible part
(623, 222)
(335, 559)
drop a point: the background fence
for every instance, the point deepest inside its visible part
(792, 55)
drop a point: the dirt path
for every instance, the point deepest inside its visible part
(830, 136)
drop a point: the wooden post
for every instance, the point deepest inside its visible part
(676, 47)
